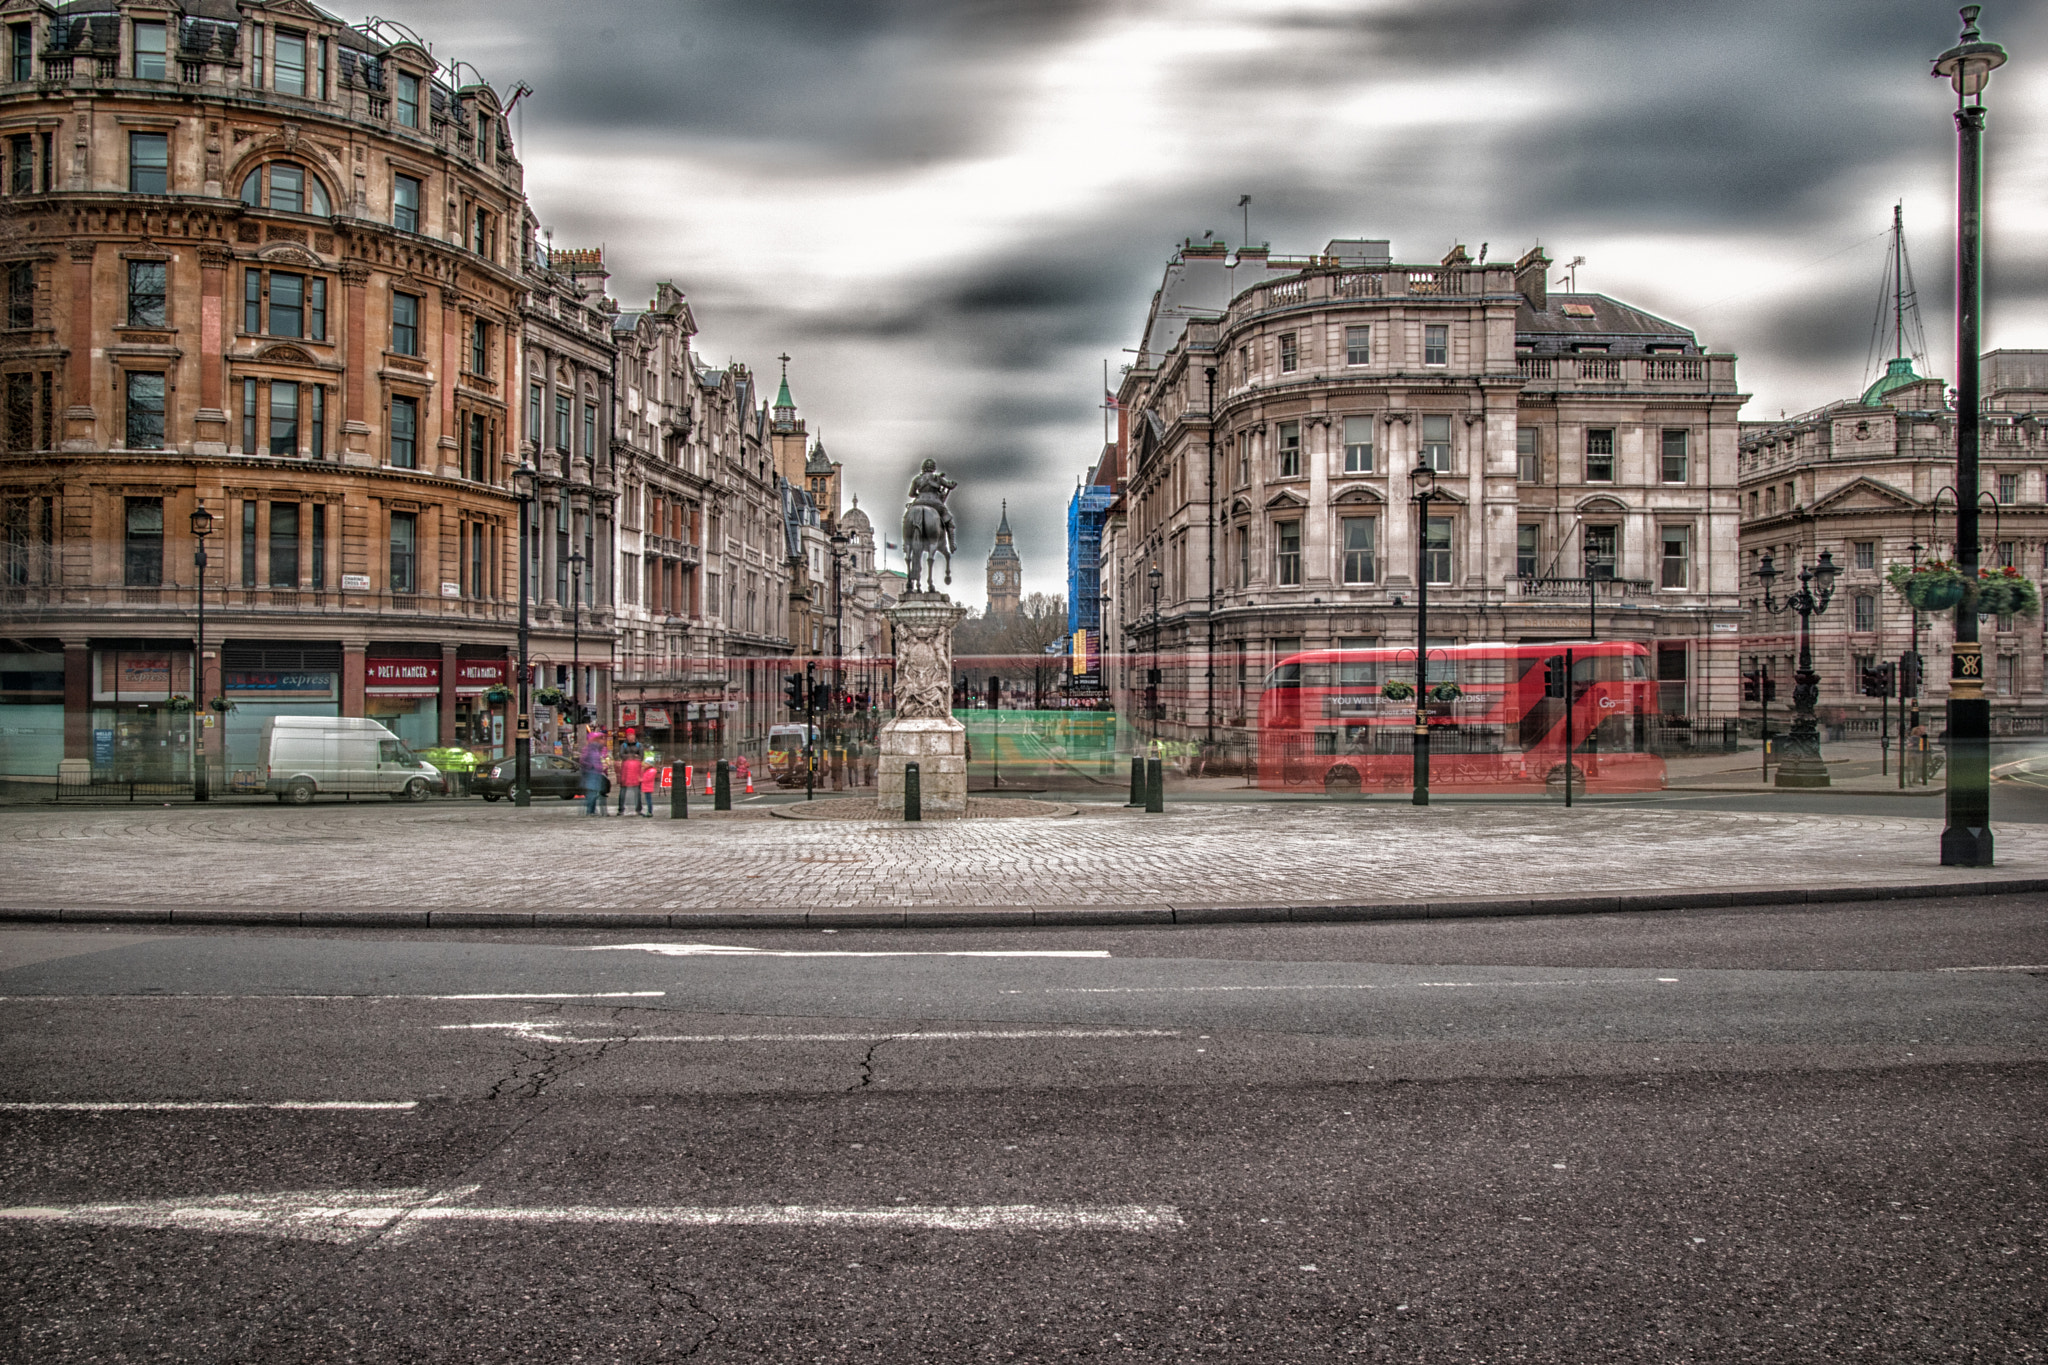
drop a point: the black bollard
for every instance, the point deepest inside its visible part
(1137, 782)
(913, 794)
(722, 797)
(678, 792)
(1155, 786)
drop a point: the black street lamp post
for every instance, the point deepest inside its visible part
(202, 527)
(576, 563)
(1966, 840)
(1426, 492)
(1152, 707)
(835, 712)
(1799, 760)
(522, 740)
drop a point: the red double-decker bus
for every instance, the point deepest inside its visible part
(1325, 721)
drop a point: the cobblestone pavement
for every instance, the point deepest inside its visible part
(467, 855)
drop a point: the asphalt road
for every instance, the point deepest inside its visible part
(1766, 1135)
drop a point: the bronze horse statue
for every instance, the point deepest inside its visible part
(927, 528)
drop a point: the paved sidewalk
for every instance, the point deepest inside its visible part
(1214, 859)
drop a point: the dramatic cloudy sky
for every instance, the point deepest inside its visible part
(951, 212)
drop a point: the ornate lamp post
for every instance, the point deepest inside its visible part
(1799, 762)
(1154, 578)
(576, 563)
(839, 543)
(202, 527)
(1966, 841)
(522, 743)
(1426, 492)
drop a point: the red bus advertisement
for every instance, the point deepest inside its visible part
(1343, 720)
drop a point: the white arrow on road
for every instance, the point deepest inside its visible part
(347, 1216)
(726, 950)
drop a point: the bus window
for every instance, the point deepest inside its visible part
(1286, 675)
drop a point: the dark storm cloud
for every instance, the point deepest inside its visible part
(874, 81)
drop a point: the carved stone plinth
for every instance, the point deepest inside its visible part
(924, 731)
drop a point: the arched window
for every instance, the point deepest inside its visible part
(287, 187)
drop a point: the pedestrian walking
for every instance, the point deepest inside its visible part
(650, 778)
(592, 764)
(629, 779)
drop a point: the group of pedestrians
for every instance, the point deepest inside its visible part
(627, 768)
(632, 772)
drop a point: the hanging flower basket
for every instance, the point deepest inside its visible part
(1931, 586)
(179, 704)
(220, 704)
(1396, 691)
(548, 696)
(498, 695)
(1446, 691)
(2006, 592)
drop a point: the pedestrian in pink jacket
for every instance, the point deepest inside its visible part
(630, 767)
(650, 778)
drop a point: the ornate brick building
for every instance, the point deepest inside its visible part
(262, 261)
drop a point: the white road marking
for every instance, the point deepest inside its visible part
(723, 950)
(2022, 967)
(541, 1032)
(179, 1106)
(1306, 986)
(484, 995)
(347, 1216)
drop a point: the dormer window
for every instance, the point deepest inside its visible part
(149, 52)
(290, 62)
(286, 187)
(408, 100)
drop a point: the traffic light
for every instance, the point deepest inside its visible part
(1877, 681)
(1753, 686)
(821, 696)
(1770, 688)
(1553, 678)
(793, 691)
(1911, 668)
(995, 692)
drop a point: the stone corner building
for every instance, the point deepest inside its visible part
(1860, 478)
(1270, 426)
(256, 258)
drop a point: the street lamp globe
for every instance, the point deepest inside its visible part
(1824, 573)
(522, 482)
(1768, 572)
(202, 522)
(1424, 480)
(1969, 64)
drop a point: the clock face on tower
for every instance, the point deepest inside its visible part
(997, 580)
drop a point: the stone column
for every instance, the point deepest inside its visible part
(449, 666)
(353, 654)
(77, 760)
(210, 429)
(924, 730)
(364, 352)
(80, 420)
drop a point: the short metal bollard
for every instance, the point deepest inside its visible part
(1155, 786)
(722, 798)
(1137, 781)
(913, 793)
(679, 792)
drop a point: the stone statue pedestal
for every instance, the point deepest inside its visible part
(924, 731)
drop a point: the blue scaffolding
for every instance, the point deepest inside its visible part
(1085, 515)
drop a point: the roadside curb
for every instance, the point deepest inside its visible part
(972, 917)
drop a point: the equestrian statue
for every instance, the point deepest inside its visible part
(928, 526)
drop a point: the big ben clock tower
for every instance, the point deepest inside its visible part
(1005, 572)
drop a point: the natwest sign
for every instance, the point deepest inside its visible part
(402, 675)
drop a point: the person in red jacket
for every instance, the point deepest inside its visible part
(630, 769)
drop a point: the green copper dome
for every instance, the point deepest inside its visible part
(1897, 374)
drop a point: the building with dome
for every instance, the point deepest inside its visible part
(1005, 571)
(1859, 478)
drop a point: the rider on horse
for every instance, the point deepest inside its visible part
(929, 489)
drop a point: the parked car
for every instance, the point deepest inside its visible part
(307, 756)
(551, 776)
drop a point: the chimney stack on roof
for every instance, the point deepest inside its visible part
(1532, 277)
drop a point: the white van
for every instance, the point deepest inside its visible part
(304, 756)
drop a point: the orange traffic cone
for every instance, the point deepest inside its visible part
(707, 782)
(750, 782)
